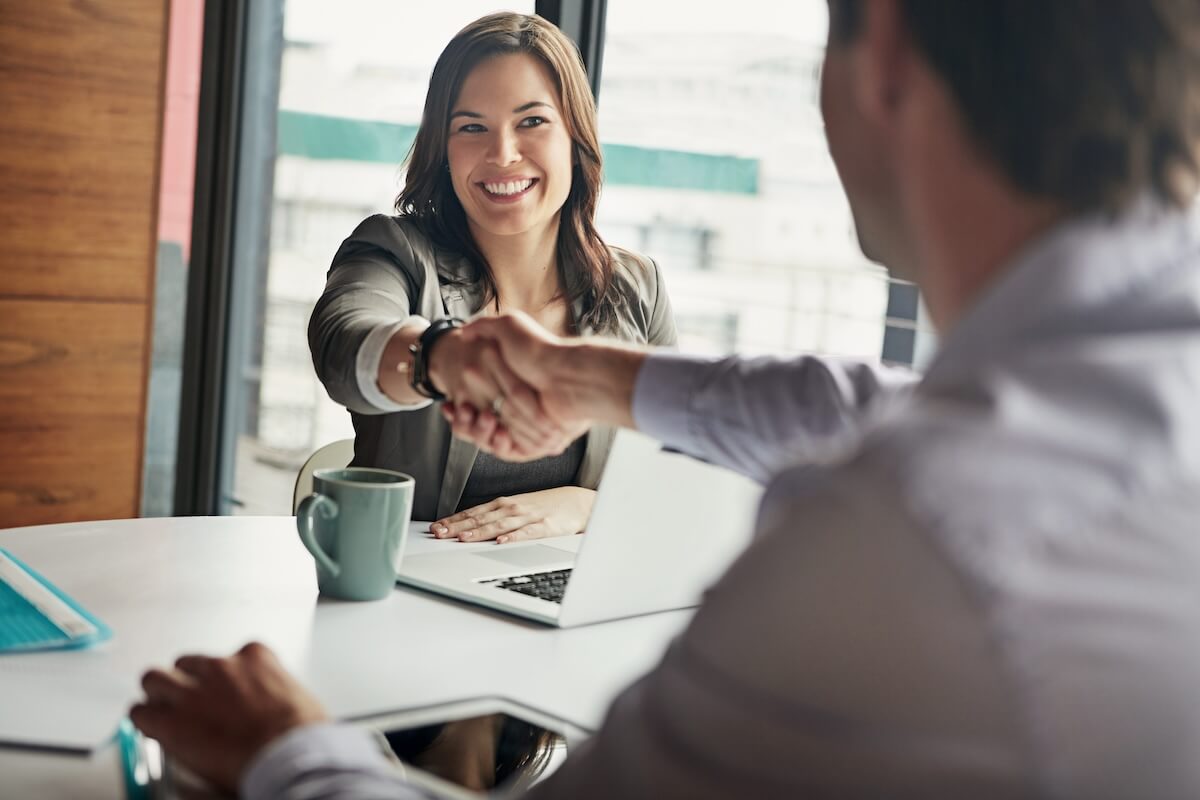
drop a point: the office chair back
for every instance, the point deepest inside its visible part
(334, 455)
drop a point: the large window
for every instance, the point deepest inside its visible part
(717, 167)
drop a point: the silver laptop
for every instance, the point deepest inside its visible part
(663, 528)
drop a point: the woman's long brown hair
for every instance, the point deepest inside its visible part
(428, 196)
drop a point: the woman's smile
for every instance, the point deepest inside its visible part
(507, 191)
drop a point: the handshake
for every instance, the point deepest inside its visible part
(521, 393)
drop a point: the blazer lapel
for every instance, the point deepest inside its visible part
(458, 301)
(595, 455)
(458, 468)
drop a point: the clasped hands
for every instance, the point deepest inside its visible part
(508, 387)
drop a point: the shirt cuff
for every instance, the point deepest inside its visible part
(366, 367)
(324, 746)
(663, 397)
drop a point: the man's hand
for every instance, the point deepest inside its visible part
(471, 373)
(535, 515)
(564, 386)
(467, 371)
(215, 714)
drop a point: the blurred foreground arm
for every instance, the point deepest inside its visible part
(243, 722)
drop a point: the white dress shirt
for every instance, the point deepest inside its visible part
(983, 585)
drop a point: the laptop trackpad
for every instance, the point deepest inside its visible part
(536, 555)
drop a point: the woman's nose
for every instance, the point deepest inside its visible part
(503, 149)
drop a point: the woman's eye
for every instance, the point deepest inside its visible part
(471, 127)
(533, 122)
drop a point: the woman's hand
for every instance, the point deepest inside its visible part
(551, 512)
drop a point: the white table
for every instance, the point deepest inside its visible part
(209, 584)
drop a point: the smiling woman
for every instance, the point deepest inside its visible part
(497, 214)
(510, 167)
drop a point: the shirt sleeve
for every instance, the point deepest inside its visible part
(325, 762)
(756, 415)
(375, 281)
(370, 353)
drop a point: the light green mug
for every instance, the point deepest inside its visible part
(354, 524)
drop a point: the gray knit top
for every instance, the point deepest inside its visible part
(491, 478)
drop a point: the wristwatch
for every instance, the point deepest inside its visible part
(420, 352)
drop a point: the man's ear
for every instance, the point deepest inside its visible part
(883, 56)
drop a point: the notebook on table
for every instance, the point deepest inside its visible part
(37, 615)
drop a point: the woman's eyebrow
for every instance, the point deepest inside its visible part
(529, 105)
(518, 110)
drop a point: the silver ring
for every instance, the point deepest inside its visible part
(497, 404)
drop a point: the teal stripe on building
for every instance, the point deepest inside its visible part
(339, 138)
(626, 165)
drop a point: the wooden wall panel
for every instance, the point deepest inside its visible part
(81, 87)
(81, 92)
(71, 425)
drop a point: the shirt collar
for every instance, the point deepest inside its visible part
(1080, 273)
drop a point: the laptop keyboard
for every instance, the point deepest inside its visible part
(542, 585)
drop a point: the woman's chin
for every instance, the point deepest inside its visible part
(516, 225)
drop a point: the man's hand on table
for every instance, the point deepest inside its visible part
(214, 715)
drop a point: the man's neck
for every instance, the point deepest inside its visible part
(524, 266)
(967, 222)
(970, 239)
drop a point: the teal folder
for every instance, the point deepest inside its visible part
(37, 615)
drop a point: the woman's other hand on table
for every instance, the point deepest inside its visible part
(562, 511)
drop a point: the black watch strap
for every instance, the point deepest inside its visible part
(420, 352)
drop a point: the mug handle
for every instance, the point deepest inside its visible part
(309, 508)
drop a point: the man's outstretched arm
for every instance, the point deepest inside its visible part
(751, 415)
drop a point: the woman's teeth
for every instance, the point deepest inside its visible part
(509, 187)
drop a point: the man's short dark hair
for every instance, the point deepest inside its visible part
(1086, 102)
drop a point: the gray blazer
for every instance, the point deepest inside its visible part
(387, 270)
